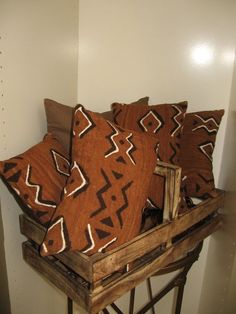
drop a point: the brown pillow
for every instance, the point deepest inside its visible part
(37, 177)
(59, 119)
(165, 122)
(107, 189)
(197, 146)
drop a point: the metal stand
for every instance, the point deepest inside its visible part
(178, 282)
(69, 305)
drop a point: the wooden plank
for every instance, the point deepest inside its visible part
(176, 193)
(172, 174)
(105, 264)
(100, 265)
(68, 284)
(78, 262)
(104, 296)
(31, 229)
(198, 213)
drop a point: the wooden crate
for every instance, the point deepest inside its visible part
(98, 280)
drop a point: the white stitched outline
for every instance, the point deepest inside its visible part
(91, 239)
(89, 122)
(131, 146)
(55, 156)
(37, 187)
(202, 147)
(112, 138)
(204, 126)
(175, 118)
(62, 235)
(150, 112)
(76, 166)
(107, 244)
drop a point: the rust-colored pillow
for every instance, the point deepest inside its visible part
(107, 189)
(37, 177)
(59, 119)
(197, 146)
(165, 122)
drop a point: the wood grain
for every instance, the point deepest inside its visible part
(102, 297)
(98, 266)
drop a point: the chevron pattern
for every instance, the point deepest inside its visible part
(106, 189)
(36, 178)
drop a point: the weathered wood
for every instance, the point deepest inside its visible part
(98, 266)
(55, 274)
(172, 175)
(151, 239)
(103, 297)
(105, 291)
(98, 280)
(78, 262)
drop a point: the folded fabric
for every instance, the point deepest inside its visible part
(107, 189)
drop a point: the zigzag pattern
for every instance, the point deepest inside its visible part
(131, 149)
(99, 194)
(175, 118)
(210, 129)
(114, 148)
(172, 157)
(126, 203)
(38, 194)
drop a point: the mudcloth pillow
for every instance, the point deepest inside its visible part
(37, 177)
(197, 146)
(59, 119)
(107, 189)
(165, 122)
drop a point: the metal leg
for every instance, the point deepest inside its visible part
(149, 289)
(115, 308)
(69, 305)
(131, 301)
(179, 299)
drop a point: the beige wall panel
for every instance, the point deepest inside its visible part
(168, 50)
(39, 59)
(219, 288)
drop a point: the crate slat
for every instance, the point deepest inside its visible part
(104, 296)
(100, 265)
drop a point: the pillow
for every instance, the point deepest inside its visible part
(37, 177)
(104, 196)
(165, 122)
(197, 146)
(59, 119)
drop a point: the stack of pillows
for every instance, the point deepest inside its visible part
(90, 178)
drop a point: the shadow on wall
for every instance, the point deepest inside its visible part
(4, 293)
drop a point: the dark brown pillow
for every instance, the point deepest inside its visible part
(107, 189)
(59, 119)
(197, 146)
(37, 177)
(165, 122)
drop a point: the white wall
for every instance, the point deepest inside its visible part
(130, 49)
(39, 59)
(127, 49)
(220, 272)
